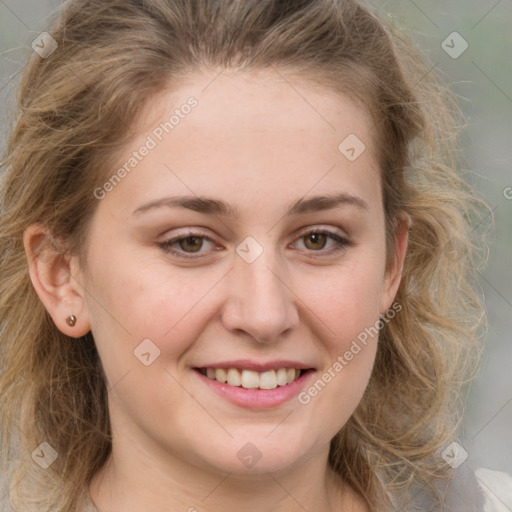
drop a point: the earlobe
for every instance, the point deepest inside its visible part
(51, 275)
(395, 269)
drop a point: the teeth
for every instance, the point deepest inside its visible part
(234, 377)
(282, 378)
(290, 374)
(268, 380)
(219, 374)
(250, 379)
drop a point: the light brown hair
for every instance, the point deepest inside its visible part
(79, 106)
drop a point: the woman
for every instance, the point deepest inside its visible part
(236, 264)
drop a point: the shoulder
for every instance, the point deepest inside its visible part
(497, 489)
(467, 490)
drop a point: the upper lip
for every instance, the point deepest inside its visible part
(245, 364)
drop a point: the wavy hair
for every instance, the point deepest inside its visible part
(76, 109)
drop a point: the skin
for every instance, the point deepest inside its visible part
(175, 442)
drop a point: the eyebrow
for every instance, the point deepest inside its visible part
(213, 206)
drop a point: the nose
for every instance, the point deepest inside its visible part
(261, 303)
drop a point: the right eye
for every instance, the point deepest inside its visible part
(191, 243)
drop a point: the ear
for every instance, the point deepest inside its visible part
(394, 269)
(57, 280)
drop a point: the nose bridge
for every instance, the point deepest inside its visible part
(259, 301)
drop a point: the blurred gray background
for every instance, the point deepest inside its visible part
(482, 78)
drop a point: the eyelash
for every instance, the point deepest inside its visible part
(341, 243)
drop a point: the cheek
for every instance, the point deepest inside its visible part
(347, 319)
(133, 301)
(346, 306)
(151, 302)
(346, 300)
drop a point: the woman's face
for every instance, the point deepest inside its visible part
(245, 242)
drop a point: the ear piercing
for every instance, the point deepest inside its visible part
(71, 320)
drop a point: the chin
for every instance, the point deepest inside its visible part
(257, 455)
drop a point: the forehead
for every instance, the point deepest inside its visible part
(259, 129)
(265, 100)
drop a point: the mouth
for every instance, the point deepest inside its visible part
(252, 379)
(255, 384)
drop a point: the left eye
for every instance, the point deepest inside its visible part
(317, 240)
(192, 243)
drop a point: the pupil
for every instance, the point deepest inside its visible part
(317, 238)
(190, 240)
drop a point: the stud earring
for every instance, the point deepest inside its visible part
(71, 320)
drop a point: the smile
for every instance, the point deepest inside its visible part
(254, 385)
(250, 379)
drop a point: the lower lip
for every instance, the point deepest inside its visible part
(257, 398)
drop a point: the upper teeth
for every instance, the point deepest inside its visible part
(250, 379)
